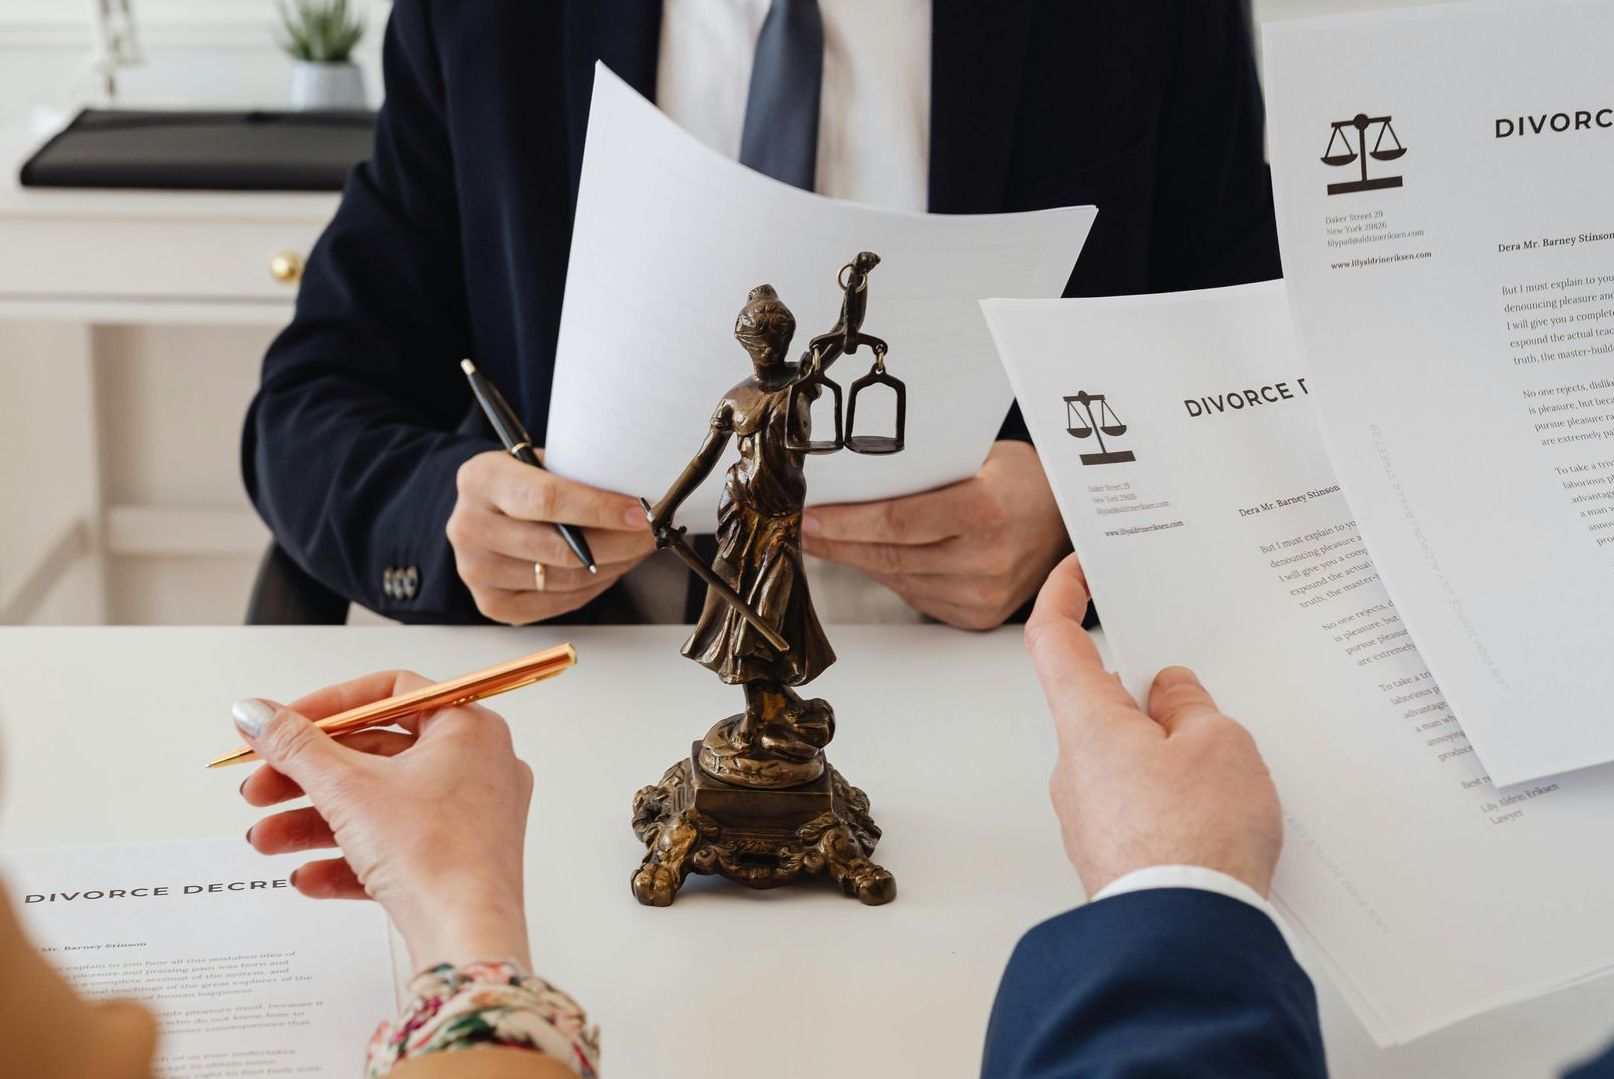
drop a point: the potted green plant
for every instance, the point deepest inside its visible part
(320, 36)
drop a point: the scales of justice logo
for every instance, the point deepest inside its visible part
(1082, 422)
(1342, 151)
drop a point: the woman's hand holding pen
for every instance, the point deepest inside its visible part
(500, 531)
(431, 823)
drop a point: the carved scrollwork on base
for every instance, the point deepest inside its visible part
(691, 823)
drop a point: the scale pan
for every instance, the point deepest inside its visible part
(1389, 155)
(873, 444)
(1338, 159)
(1114, 430)
(797, 445)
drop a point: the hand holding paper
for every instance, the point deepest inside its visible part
(1176, 784)
(1213, 534)
(969, 554)
(500, 533)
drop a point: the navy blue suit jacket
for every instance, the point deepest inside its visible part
(452, 240)
(1167, 982)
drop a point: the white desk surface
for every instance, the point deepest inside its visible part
(947, 731)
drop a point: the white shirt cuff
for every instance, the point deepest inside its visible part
(1186, 876)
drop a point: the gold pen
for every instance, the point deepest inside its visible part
(488, 682)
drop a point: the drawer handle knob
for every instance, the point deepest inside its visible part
(287, 267)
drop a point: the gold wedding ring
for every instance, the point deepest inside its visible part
(538, 576)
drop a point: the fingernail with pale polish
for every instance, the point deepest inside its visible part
(1178, 676)
(809, 524)
(251, 715)
(634, 517)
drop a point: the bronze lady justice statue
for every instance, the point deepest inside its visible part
(756, 801)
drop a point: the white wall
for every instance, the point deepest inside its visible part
(169, 399)
(205, 52)
(49, 492)
(172, 399)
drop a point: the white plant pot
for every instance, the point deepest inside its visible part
(326, 86)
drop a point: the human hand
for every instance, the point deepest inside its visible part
(1179, 785)
(969, 554)
(501, 528)
(430, 821)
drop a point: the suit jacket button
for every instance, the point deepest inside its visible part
(389, 582)
(411, 582)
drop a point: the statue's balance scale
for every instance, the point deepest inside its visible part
(755, 800)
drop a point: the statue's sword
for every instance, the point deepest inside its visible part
(672, 539)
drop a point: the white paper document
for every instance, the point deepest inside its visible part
(669, 238)
(246, 976)
(1448, 239)
(1179, 434)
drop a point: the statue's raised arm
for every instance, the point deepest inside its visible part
(847, 334)
(813, 381)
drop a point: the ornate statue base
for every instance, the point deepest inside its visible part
(761, 837)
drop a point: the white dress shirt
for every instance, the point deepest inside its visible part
(1187, 876)
(874, 112)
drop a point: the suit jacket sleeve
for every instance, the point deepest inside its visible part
(1599, 1067)
(1171, 981)
(350, 448)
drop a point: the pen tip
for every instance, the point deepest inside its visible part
(468, 367)
(592, 568)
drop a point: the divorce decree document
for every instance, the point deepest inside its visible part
(246, 976)
(1179, 435)
(1448, 239)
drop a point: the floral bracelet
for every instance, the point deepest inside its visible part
(486, 1004)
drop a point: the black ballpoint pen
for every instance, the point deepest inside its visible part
(519, 443)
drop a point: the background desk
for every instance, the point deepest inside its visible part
(132, 326)
(105, 732)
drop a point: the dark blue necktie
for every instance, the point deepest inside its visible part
(780, 137)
